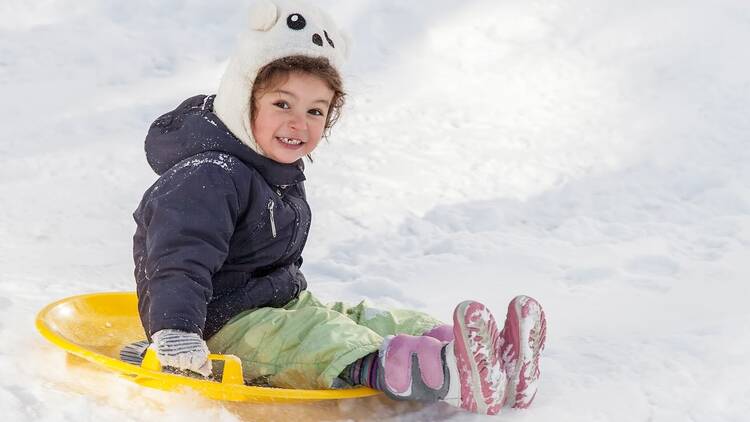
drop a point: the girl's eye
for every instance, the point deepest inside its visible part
(281, 104)
(316, 112)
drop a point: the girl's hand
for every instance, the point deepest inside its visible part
(182, 350)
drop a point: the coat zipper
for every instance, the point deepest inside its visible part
(273, 222)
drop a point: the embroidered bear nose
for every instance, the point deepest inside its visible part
(328, 39)
(296, 21)
(317, 40)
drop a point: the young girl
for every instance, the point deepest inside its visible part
(219, 241)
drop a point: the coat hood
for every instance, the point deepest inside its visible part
(193, 128)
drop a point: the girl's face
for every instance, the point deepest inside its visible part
(290, 118)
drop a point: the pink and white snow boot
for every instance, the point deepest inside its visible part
(413, 368)
(521, 344)
(478, 380)
(467, 372)
(441, 332)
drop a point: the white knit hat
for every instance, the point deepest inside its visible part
(277, 28)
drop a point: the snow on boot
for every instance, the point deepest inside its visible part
(522, 342)
(441, 332)
(412, 368)
(478, 379)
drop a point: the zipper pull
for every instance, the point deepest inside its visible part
(273, 222)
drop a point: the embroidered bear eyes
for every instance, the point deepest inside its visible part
(296, 21)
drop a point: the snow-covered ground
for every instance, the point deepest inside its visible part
(593, 154)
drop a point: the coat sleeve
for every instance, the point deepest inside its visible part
(189, 219)
(272, 290)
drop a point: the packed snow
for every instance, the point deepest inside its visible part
(592, 154)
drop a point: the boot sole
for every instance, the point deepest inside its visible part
(483, 379)
(528, 330)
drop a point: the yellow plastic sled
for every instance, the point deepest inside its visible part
(96, 326)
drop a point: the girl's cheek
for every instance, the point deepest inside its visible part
(319, 131)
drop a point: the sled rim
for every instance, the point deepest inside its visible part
(46, 324)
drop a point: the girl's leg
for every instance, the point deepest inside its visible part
(388, 323)
(391, 322)
(303, 345)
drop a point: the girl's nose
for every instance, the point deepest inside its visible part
(296, 122)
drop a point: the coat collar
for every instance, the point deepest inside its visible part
(193, 128)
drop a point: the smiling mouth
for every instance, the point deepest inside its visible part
(290, 141)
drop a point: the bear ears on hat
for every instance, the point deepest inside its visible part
(265, 13)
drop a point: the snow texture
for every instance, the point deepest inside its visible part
(591, 154)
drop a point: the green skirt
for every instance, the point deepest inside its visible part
(307, 344)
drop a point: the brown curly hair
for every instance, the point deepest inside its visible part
(276, 73)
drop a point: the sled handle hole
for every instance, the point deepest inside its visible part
(232, 373)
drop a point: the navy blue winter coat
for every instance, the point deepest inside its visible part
(222, 229)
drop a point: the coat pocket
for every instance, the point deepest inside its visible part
(226, 282)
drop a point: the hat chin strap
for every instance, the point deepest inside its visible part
(232, 104)
(248, 131)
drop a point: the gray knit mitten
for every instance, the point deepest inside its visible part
(182, 350)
